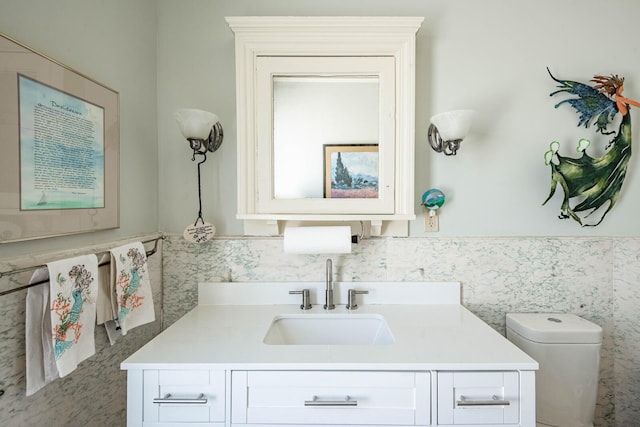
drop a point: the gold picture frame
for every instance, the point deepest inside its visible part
(351, 171)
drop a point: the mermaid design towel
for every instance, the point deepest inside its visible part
(130, 276)
(73, 292)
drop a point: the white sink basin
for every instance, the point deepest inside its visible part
(329, 329)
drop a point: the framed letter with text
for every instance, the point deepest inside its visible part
(60, 140)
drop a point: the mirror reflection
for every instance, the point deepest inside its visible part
(326, 136)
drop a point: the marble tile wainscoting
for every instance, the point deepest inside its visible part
(596, 278)
(95, 393)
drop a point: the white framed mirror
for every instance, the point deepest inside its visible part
(325, 111)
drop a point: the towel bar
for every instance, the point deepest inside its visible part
(35, 267)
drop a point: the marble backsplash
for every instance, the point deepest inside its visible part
(92, 395)
(595, 278)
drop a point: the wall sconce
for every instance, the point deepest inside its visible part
(447, 130)
(204, 133)
(201, 128)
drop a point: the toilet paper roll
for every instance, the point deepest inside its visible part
(317, 240)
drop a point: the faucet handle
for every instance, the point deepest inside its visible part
(306, 301)
(351, 302)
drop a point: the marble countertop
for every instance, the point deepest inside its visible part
(442, 336)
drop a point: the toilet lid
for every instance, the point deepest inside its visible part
(554, 328)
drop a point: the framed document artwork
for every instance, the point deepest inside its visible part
(59, 135)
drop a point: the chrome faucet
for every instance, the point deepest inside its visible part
(329, 305)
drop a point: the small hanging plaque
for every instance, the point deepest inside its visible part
(199, 233)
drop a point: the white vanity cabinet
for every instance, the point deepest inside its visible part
(171, 398)
(479, 398)
(285, 398)
(331, 398)
(441, 367)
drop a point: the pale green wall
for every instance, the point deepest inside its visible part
(489, 55)
(113, 42)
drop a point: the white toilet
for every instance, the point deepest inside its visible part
(567, 348)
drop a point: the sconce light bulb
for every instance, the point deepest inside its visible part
(194, 123)
(201, 128)
(447, 130)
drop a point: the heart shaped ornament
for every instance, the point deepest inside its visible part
(199, 233)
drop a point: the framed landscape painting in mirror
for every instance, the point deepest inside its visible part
(351, 171)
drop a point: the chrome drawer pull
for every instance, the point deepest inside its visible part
(317, 402)
(495, 401)
(200, 400)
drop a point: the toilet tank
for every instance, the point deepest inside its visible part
(567, 347)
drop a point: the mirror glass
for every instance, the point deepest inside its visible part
(326, 136)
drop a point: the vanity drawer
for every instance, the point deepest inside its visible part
(331, 397)
(478, 398)
(171, 397)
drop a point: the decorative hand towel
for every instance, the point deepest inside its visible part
(113, 330)
(106, 307)
(73, 292)
(40, 362)
(130, 277)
